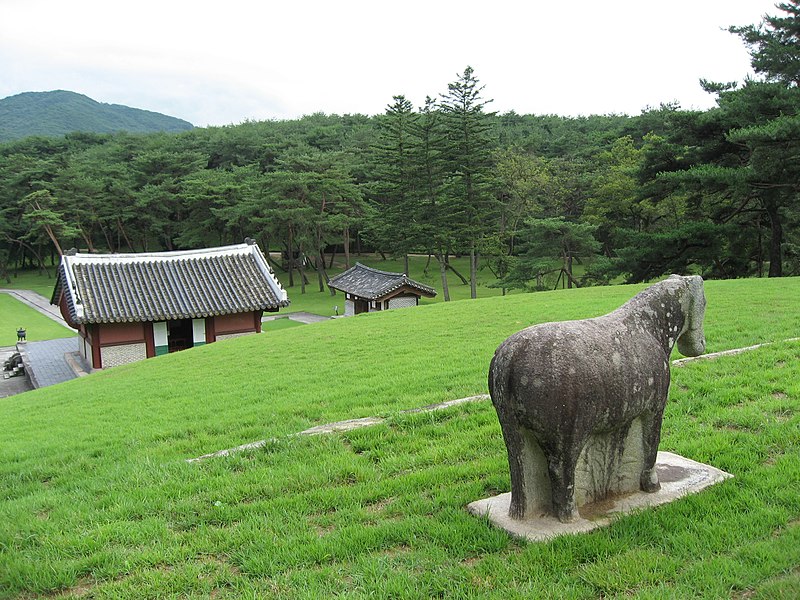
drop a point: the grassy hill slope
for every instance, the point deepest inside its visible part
(97, 497)
(60, 112)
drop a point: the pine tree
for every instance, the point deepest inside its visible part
(434, 208)
(395, 228)
(770, 131)
(775, 44)
(469, 162)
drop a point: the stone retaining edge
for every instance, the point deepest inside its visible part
(339, 426)
(682, 361)
(26, 362)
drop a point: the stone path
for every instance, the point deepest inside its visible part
(307, 317)
(300, 317)
(682, 361)
(51, 361)
(347, 425)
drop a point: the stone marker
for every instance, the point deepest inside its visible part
(580, 403)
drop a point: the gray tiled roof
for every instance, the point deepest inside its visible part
(160, 286)
(369, 283)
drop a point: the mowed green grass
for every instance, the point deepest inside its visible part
(32, 280)
(15, 314)
(98, 501)
(278, 324)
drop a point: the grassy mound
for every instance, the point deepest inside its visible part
(98, 500)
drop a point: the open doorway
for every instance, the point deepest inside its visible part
(179, 335)
(360, 306)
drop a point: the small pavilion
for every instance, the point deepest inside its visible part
(369, 290)
(127, 307)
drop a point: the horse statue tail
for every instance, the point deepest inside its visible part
(498, 379)
(492, 376)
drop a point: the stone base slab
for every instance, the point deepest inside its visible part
(679, 476)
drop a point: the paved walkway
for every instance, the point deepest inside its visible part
(300, 317)
(39, 303)
(51, 361)
(46, 362)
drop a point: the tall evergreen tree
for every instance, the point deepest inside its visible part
(762, 121)
(433, 206)
(395, 228)
(775, 44)
(469, 155)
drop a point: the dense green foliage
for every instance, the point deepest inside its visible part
(97, 499)
(61, 112)
(712, 192)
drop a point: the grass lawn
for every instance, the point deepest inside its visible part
(31, 280)
(99, 502)
(278, 324)
(14, 314)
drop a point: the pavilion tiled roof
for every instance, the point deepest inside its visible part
(163, 286)
(366, 282)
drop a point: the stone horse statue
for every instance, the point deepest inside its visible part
(580, 403)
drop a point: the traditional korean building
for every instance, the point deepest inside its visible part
(127, 307)
(369, 290)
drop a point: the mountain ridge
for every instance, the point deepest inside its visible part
(59, 112)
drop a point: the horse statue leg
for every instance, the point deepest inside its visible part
(512, 435)
(651, 436)
(516, 456)
(561, 465)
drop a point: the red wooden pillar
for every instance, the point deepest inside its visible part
(149, 340)
(211, 334)
(97, 361)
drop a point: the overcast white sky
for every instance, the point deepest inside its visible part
(222, 62)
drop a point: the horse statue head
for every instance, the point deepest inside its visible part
(691, 339)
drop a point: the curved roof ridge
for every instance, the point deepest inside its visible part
(374, 270)
(169, 254)
(371, 283)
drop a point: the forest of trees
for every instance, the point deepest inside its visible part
(634, 197)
